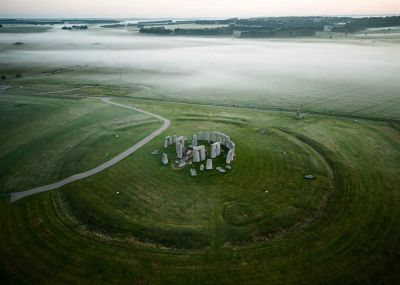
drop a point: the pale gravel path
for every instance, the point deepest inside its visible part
(166, 123)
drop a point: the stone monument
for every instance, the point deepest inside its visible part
(164, 158)
(209, 164)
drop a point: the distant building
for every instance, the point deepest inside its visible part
(237, 34)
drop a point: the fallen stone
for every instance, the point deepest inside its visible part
(309, 177)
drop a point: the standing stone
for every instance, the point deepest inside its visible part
(180, 146)
(229, 156)
(233, 148)
(193, 172)
(196, 156)
(207, 137)
(179, 149)
(209, 165)
(203, 153)
(201, 150)
(166, 142)
(194, 140)
(170, 140)
(202, 167)
(174, 137)
(215, 149)
(164, 159)
(218, 149)
(213, 137)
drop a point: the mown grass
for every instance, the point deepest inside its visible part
(166, 227)
(44, 139)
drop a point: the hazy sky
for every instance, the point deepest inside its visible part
(193, 8)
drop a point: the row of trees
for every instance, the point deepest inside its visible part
(279, 26)
(75, 28)
(18, 75)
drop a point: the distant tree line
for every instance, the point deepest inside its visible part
(113, 26)
(156, 30)
(278, 26)
(75, 28)
(56, 22)
(17, 75)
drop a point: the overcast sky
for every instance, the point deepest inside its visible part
(193, 8)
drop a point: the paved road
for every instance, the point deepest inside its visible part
(166, 123)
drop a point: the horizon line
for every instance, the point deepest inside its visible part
(200, 17)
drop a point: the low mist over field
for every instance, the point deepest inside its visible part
(267, 72)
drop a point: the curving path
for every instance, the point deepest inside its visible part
(166, 123)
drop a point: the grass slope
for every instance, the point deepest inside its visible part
(46, 139)
(86, 233)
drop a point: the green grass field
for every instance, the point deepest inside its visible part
(260, 223)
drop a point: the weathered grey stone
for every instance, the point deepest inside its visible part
(209, 164)
(202, 167)
(200, 151)
(229, 156)
(164, 159)
(196, 156)
(194, 140)
(179, 149)
(233, 148)
(180, 146)
(154, 152)
(215, 149)
(166, 142)
(218, 149)
(203, 154)
(182, 164)
(207, 137)
(193, 172)
(309, 177)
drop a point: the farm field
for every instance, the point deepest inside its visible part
(360, 80)
(142, 222)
